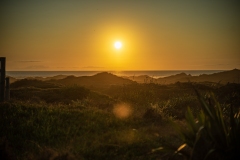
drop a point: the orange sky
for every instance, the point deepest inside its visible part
(156, 35)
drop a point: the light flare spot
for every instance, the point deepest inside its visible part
(122, 110)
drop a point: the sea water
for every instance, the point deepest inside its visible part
(154, 74)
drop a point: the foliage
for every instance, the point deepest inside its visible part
(211, 136)
(33, 83)
(75, 121)
(40, 129)
(51, 95)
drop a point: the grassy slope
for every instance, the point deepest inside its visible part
(83, 131)
(44, 121)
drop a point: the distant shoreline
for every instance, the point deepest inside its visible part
(151, 73)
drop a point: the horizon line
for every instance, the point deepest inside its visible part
(117, 70)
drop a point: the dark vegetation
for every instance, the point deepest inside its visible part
(53, 120)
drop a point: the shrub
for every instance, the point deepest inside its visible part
(212, 136)
(33, 83)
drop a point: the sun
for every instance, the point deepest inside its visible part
(118, 45)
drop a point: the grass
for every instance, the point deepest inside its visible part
(84, 132)
(73, 122)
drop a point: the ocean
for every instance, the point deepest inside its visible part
(154, 74)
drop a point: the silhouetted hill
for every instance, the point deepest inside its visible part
(103, 79)
(33, 83)
(232, 76)
(181, 77)
(48, 78)
(12, 79)
(142, 79)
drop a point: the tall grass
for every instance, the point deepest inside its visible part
(75, 121)
(40, 129)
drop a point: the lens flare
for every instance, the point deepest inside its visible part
(122, 111)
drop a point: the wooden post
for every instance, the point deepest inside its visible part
(2, 78)
(7, 95)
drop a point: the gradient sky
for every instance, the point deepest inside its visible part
(156, 34)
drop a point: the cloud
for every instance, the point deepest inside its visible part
(220, 64)
(36, 67)
(92, 67)
(28, 61)
(68, 67)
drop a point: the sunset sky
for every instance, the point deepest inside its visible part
(155, 35)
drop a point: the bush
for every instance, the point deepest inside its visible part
(211, 136)
(33, 83)
(52, 95)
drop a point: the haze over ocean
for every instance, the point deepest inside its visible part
(154, 74)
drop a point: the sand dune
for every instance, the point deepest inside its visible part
(103, 79)
(232, 76)
(106, 79)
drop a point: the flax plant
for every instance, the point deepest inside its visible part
(211, 135)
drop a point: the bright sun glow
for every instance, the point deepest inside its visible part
(118, 45)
